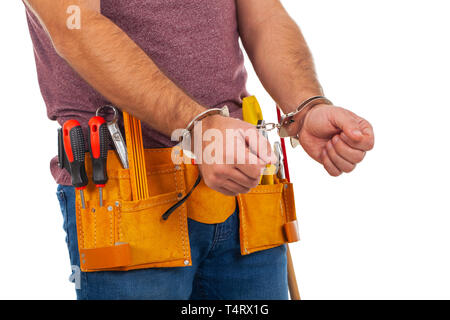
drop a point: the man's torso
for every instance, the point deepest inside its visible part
(194, 42)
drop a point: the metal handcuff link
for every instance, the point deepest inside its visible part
(282, 126)
(288, 118)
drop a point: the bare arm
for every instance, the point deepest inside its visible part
(121, 71)
(278, 51)
(115, 65)
(335, 137)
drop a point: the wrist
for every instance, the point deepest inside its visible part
(192, 138)
(291, 123)
(222, 112)
(294, 101)
(300, 118)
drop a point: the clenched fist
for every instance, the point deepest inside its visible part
(335, 137)
(244, 154)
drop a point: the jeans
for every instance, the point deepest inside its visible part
(218, 270)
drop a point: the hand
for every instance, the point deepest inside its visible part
(244, 158)
(336, 137)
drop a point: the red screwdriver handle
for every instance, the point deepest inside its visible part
(98, 147)
(75, 148)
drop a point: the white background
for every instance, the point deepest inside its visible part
(381, 232)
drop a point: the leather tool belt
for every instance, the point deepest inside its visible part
(125, 235)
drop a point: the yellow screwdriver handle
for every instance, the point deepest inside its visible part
(252, 113)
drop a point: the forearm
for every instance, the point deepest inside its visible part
(114, 65)
(121, 71)
(280, 56)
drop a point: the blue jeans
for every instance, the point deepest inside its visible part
(218, 269)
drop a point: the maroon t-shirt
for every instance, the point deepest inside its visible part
(194, 42)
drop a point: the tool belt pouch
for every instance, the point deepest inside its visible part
(124, 234)
(267, 217)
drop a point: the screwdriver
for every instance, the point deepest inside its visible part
(280, 159)
(75, 148)
(98, 147)
(267, 177)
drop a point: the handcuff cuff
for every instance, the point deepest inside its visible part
(282, 127)
(288, 118)
(185, 139)
(185, 136)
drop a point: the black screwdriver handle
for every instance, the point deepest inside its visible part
(75, 148)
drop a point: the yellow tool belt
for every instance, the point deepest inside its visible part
(125, 235)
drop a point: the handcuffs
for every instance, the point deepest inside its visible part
(185, 134)
(288, 118)
(184, 140)
(282, 127)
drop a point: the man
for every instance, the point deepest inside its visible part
(165, 62)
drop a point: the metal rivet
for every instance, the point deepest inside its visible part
(245, 250)
(84, 261)
(177, 167)
(110, 208)
(93, 210)
(285, 186)
(117, 203)
(180, 195)
(83, 255)
(186, 262)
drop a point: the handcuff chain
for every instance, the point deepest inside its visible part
(268, 126)
(287, 119)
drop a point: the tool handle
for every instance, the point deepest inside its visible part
(292, 279)
(75, 148)
(283, 148)
(98, 147)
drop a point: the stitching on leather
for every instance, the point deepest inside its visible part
(150, 205)
(186, 233)
(183, 179)
(183, 230)
(119, 225)
(286, 203)
(181, 217)
(184, 221)
(126, 175)
(244, 223)
(111, 241)
(171, 170)
(269, 191)
(80, 219)
(175, 179)
(179, 179)
(158, 150)
(183, 214)
(95, 228)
